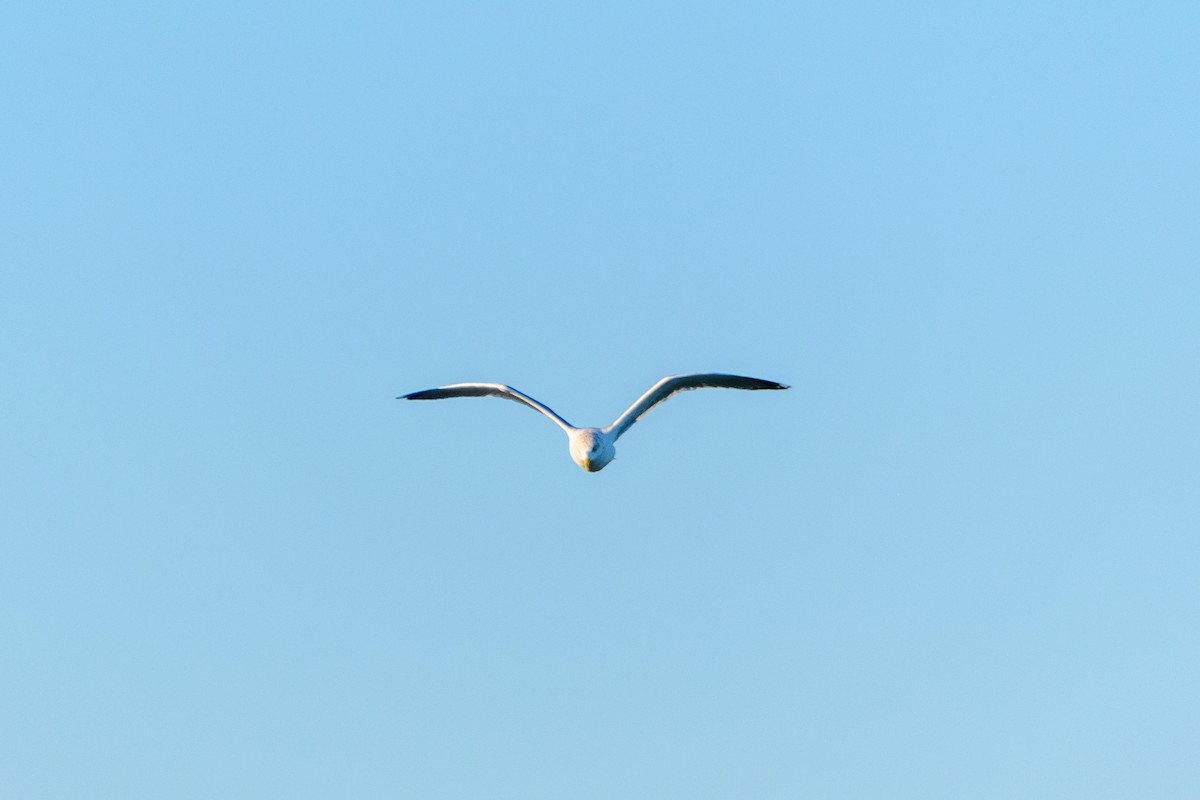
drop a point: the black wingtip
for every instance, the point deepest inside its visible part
(759, 383)
(424, 394)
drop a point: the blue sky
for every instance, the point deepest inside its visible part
(957, 559)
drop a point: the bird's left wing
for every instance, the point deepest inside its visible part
(488, 390)
(679, 383)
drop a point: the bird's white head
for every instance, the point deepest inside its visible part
(591, 449)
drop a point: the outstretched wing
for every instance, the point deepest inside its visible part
(679, 383)
(487, 390)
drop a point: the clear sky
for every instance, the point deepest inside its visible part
(959, 558)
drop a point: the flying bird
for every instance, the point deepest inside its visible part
(593, 448)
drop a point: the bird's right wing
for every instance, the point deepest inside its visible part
(488, 390)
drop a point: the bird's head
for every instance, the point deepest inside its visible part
(591, 449)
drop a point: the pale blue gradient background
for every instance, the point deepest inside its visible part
(958, 559)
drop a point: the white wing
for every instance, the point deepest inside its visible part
(679, 383)
(486, 390)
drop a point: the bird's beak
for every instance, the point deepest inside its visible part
(587, 464)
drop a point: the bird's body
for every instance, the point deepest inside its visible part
(593, 448)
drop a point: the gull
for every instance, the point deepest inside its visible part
(593, 448)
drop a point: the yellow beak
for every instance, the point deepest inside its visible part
(587, 464)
